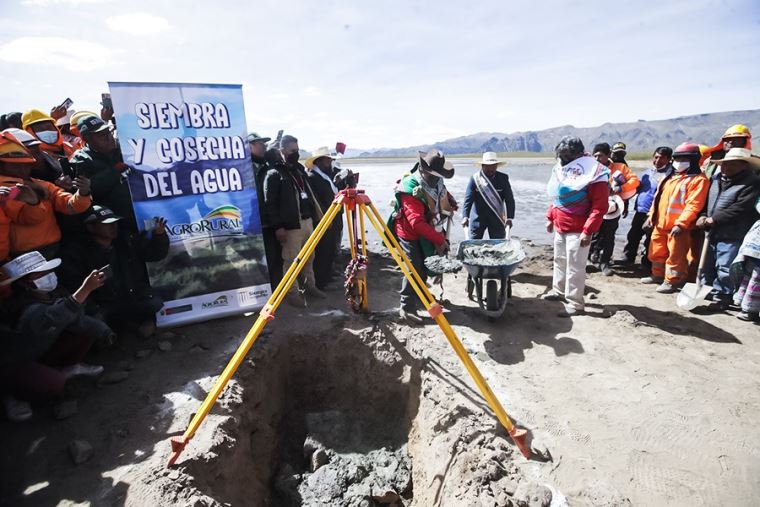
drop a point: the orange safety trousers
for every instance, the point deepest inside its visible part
(670, 255)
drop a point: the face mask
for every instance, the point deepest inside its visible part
(46, 283)
(48, 136)
(681, 165)
(292, 158)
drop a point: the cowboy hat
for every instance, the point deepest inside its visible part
(740, 154)
(320, 152)
(32, 262)
(490, 158)
(434, 162)
(615, 208)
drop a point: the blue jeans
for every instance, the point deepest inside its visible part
(720, 255)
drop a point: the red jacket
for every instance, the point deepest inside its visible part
(410, 222)
(589, 224)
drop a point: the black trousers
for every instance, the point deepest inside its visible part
(325, 253)
(273, 252)
(634, 239)
(603, 242)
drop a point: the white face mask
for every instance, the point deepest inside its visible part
(681, 165)
(46, 283)
(47, 136)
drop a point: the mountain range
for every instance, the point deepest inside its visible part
(641, 135)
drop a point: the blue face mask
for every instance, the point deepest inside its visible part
(47, 136)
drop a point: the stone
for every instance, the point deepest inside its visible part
(143, 353)
(164, 346)
(80, 451)
(174, 475)
(113, 377)
(65, 409)
(385, 496)
(532, 494)
(126, 365)
(167, 335)
(318, 458)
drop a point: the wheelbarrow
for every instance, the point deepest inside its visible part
(498, 282)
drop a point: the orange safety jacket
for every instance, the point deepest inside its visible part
(25, 237)
(679, 200)
(621, 175)
(16, 212)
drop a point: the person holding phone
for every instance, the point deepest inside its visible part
(126, 301)
(46, 334)
(101, 161)
(16, 164)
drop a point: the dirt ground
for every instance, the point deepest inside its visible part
(637, 402)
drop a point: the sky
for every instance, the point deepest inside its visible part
(395, 73)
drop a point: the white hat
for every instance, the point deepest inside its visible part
(32, 262)
(615, 208)
(66, 119)
(740, 154)
(490, 158)
(320, 152)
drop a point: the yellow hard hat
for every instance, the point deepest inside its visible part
(737, 130)
(34, 116)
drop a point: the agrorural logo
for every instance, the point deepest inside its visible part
(222, 221)
(220, 301)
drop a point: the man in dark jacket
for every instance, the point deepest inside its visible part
(321, 178)
(291, 210)
(101, 161)
(126, 298)
(488, 202)
(258, 147)
(729, 214)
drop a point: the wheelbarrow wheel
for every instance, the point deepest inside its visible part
(492, 295)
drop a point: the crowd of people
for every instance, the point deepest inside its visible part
(696, 207)
(73, 262)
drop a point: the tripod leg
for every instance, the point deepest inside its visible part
(518, 435)
(266, 314)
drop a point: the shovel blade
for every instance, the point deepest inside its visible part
(692, 295)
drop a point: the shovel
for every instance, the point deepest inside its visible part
(693, 294)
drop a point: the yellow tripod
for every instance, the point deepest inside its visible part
(350, 200)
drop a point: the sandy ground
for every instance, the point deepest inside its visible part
(638, 402)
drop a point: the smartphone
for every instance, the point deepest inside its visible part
(11, 195)
(105, 100)
(66, 168)
(67, 103)
(107, 271)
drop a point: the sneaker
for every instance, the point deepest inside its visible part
(666, 288)
(607, 270)
(17, 410)
(552, 296)
(409, 317)
(312, 290)
(624, 262)
(295, 299)
(82, 370)
(651, 280)
(748, 316)
(594, 258)
(570, 311)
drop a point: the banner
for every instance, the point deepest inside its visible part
(185, 145)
